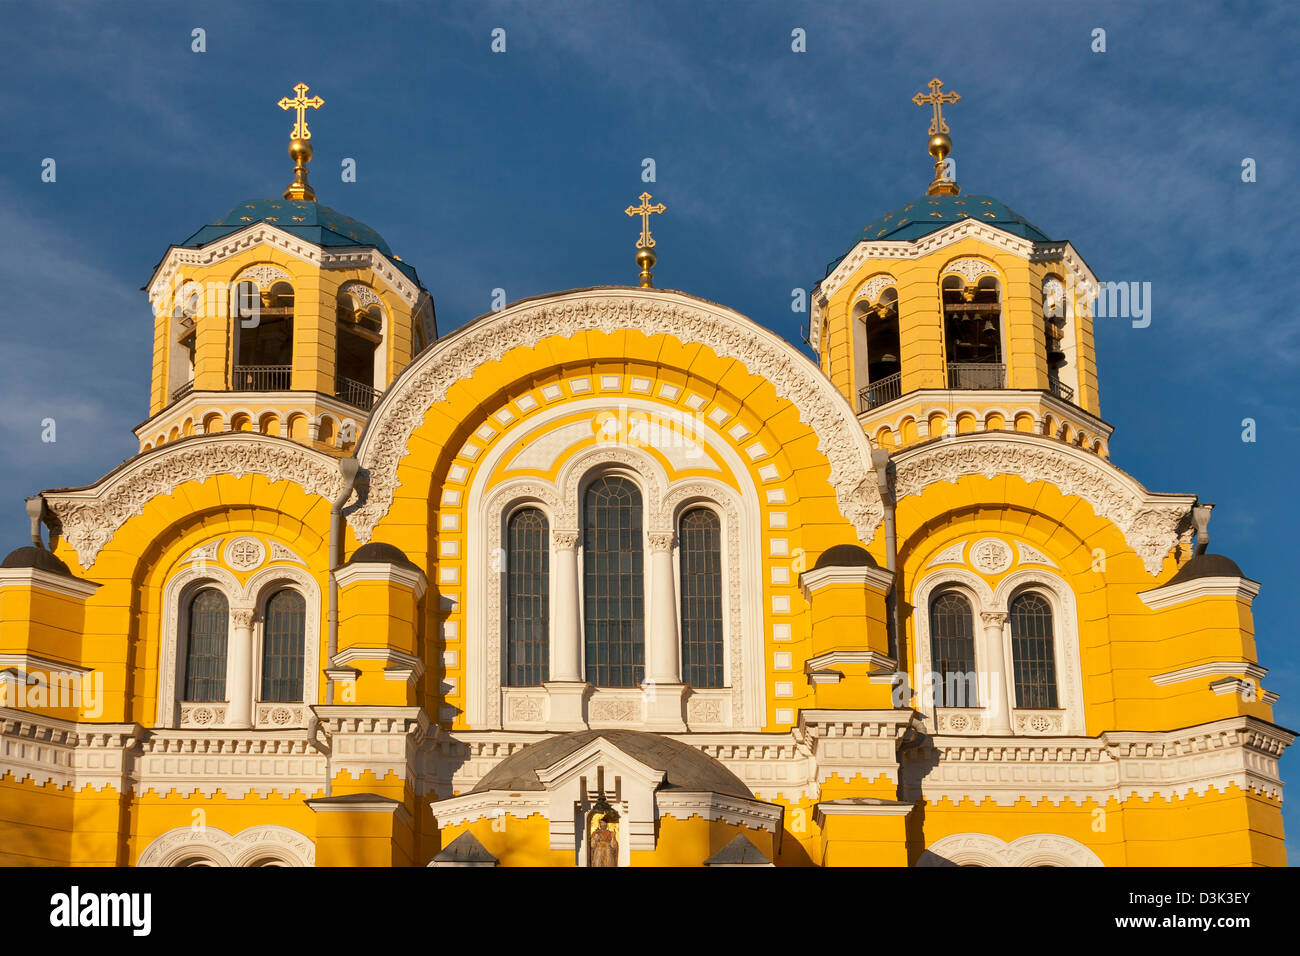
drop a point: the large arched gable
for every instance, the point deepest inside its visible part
(88, 518)
(1150, 523)
(385, 442)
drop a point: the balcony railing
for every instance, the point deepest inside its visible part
(1059, 388)
(976, 375)
(357, 394)
(182, 391)
(262, 378)
(881, 391)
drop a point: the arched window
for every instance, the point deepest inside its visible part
(614, 589)
(205, 655)
(360, 335)
(1033, 653)
(699, 537)
(264, 342)
(528, 598)
(973, 332)
(283, 645)
(952, 651)
(878, 336)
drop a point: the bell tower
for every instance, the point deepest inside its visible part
(283, 317)
(955, 314)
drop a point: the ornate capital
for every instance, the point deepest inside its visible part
(994, 618)
(565, 540)
(661, 541)
(241, 617)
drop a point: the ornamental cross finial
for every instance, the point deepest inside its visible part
(936, 99)
(645, 257)
(645, 211)
(301, 104)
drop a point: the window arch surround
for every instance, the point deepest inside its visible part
(742, 703)
(250, 597)
(1068, 717)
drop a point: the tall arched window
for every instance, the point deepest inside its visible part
(1033, 653)
(528, 598)
(205, 654)
(952, 651)
(283, 645)
(699, 538)
(614, 590)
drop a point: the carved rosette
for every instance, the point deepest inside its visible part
(990, 556)
(1149, 526)
(840, 438)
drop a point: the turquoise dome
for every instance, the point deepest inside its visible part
(929, 214)
(319, 225)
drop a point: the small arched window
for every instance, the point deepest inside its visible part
(952, 651)
(1033, 652)
(283, 645)
(205, 654)
(614, 587)
(528, 598)
(699, 538)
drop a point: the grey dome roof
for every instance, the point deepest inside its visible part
(1207, 566)
(687, 768)
(34, 557)
(376, 552)
(845, 556)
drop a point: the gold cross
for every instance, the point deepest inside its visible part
(301, 104)
(645, 210)
(936, 99)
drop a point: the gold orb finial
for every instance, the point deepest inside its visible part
(940, 144)
(645, 258)
(299, 146)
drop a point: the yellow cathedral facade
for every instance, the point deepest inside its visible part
(618, 577)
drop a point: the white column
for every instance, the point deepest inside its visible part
(1000, 678)
(239, 669)
(665, 648)
(567, 630)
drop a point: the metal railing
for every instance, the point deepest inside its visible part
(1059, 388)
(261, 378)
(976, 375)
(182, 391)
(881, 391)
(357, 394)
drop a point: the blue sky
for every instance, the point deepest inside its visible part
(512, 170)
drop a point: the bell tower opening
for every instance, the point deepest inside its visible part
(972, 326)
(877, 342)
(263, 339)
(360, 335)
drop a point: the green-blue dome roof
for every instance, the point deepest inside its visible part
(929, 214)
(319, 225)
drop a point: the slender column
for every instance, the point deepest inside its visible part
(567, 633)
(999, 673)
(665, 648)
(239, 669)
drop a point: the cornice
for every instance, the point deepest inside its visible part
(1169, 595)
(40, 580)
(877, 579)
(264, 234)
(412, 578)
